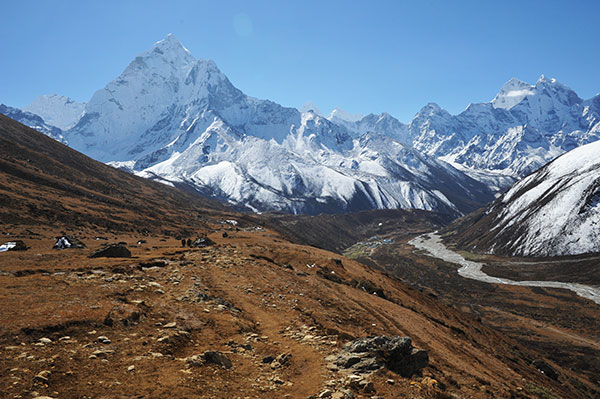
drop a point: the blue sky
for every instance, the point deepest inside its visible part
(376, 56)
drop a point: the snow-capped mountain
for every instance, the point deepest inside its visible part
(56, 110)
(512, 93)
(554, 211)
(520, 130)
(178, 119)
(384, 124)
(33, 121)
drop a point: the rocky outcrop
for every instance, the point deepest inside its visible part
(112, 251)
(545, 368)
(202, 242)
(210, 357)
(365, 355)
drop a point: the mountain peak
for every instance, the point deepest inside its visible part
(544, 79)
(512, 93)
(56, 110)
(340, 114)
(310, 106)
(430, 109)
(553, 88)
(171, 50)
(170, 37)
(514, 83)
(170, 41)
(433, 106)
(166, 57)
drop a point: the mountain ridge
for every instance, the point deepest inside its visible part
(171, 116)
(178, 119)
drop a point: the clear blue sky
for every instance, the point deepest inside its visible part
(370, 56)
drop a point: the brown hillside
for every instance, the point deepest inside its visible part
(47, 182)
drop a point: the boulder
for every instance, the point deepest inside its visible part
(268, 359)
(218, 358)
(42, 376)
(325, 394)
(281, 361)
(103, 339)
(202, 242)
(102, 353)
(68, 242)
(16, 245)
(365, 355)
(112, 251)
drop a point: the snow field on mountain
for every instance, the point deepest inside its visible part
(558, 206)
(177, 118)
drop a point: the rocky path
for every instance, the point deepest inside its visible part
(250, 316)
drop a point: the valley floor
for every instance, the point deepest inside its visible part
(432, 245)
(75, 327)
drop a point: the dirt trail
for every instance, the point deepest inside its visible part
(276, 310)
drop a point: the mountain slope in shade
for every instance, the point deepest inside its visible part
(172, 117)
(47, 182)
(554, 211)
(56, 110)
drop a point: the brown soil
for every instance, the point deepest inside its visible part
(223, 298)
(46, 182)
